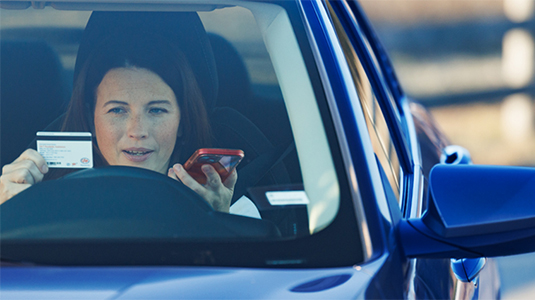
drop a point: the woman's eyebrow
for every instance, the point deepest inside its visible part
(159, 102)
(115, 102)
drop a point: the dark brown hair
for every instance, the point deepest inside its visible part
(147, 51)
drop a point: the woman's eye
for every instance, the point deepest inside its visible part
(117, 110)
(157, 110)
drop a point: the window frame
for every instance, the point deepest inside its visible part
(386, 154)
(394, 112)
(392, 99)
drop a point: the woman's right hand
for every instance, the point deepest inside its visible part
(29, 168)
(218, 194)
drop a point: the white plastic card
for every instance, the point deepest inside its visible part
(287, 197)
(66, 149)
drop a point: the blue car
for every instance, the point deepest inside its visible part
(346, 189)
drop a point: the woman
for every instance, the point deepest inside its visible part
(138, 96)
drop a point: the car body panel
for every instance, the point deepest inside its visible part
(185, 282)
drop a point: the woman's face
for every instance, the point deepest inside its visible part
(136, 119)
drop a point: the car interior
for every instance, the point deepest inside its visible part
(245, 112)
(34, 71)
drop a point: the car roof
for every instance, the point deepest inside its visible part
(113, 5)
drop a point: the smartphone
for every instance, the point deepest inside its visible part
(224, 162)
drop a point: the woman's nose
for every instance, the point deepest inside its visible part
(137, 128)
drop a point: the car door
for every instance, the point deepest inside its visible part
(427, 144)
(431, 143)
(394, 140)
(378, 181)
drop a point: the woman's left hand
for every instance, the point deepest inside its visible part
(218, 194)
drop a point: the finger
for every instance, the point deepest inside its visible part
(34, 156)
(171, 173)
(212, 177)
(188, 180)
(231, 180)
(24, 171)
(8, 190)
(21, 176)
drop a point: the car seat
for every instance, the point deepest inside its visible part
(236, 92)
(234, 81)
(32, 93)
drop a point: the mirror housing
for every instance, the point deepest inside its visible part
(474, 211)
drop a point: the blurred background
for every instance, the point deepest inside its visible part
(471, 63)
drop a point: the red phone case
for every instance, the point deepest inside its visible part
(224, 162)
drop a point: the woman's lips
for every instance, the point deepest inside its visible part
(137, 154)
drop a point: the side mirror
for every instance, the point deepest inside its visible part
(474, 211)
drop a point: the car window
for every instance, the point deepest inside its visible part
(265, 105)
(381, 140)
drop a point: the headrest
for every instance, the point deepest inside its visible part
(184, 29)
(234, 82)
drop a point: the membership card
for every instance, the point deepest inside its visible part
(66, 149)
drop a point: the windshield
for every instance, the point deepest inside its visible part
(130, 108)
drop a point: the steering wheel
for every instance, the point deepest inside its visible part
(119, 202)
